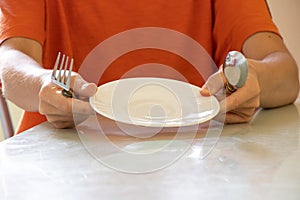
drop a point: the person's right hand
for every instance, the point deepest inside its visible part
(62, 111)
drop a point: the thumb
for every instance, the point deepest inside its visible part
(83, 88)
(214, 84)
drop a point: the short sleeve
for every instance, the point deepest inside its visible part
(235, 21)
(22, 18)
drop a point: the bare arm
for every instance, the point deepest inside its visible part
(21, 72)
(28, 84)
(275, 67)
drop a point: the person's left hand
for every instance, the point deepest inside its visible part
(240, 106)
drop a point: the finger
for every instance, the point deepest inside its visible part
(59, 118)
(82, 107)
(241, 98)
(233, 118)
(244, 112)
(214, 84)
(67, 121)
(49, 109)
(51, 98)
(51, 95)
(249, 93)
(62, 124)
(220, 117)
(82, 88)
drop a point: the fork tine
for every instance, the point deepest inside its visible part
(65, 69)
(61, 67)
(69, 74)
(56, 66)
(62, 72)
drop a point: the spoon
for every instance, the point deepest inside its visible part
(235, 69)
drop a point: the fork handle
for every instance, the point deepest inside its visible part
(67, 93)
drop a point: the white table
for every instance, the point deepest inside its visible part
(260, 160)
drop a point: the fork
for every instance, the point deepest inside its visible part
(61, 74)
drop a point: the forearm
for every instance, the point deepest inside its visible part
(278, 79)
(22, 78)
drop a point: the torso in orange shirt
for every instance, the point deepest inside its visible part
(77, 27)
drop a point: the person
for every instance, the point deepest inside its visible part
(32, 32)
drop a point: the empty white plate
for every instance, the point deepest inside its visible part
(154, 102)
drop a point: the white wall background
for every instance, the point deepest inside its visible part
(286, 14)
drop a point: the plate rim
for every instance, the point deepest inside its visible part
(196, 122)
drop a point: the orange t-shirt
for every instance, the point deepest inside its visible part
(78, 27)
